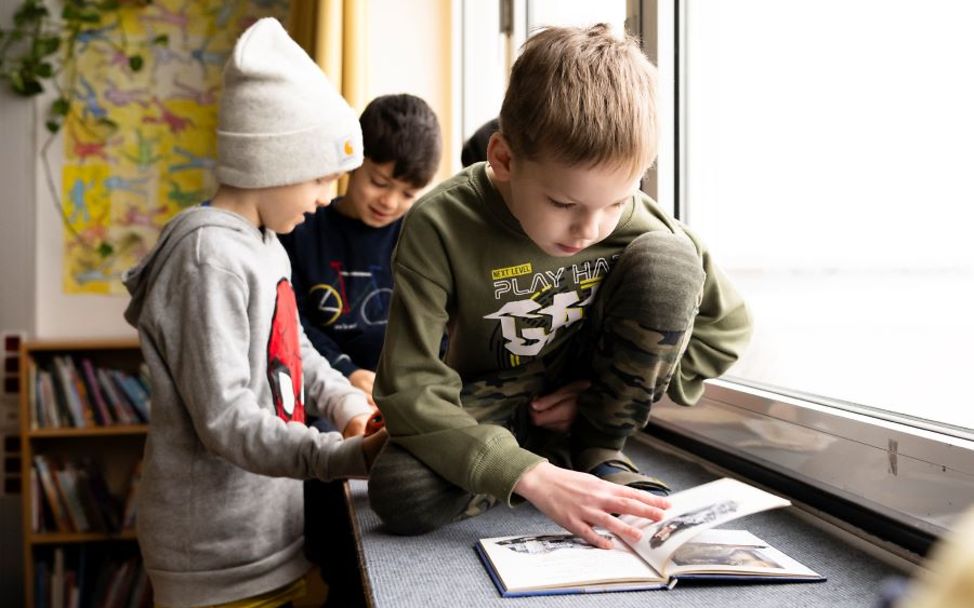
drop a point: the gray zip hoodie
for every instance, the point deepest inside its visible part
(220, 511)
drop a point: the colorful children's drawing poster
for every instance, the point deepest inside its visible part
(139, 144)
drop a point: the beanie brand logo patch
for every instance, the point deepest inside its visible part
(345, 148)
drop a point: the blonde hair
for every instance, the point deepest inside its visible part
(582, 96)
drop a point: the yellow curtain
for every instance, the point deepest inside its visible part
(333, 33)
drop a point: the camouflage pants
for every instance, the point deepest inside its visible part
(636, 331)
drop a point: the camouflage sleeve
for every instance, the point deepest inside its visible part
(721, 331)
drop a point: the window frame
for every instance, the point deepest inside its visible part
(905, 470)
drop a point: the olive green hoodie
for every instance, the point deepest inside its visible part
(464, 265)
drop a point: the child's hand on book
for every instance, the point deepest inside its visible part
(556, 411)
(578, 501)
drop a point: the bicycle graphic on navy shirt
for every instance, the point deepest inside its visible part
(370, 307)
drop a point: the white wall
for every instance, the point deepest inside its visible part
(16, 205)
(410, 50)
(484, 59)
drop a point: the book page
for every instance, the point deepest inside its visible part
(549, 561)
(735, 552)
(695, 510)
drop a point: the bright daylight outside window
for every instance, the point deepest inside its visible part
(580, 13)
(828, 166)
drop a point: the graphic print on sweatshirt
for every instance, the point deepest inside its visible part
(355, 298)
(534, 306)
(284, 356)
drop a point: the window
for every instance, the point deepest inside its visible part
(492, 33)
(823, 152)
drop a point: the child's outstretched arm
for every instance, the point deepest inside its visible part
(329, 393)
(209, 359)
(578, 501)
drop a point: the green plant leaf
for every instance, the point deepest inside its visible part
(161, 40)
(53, 126)
(47, 45)
(29, 12)
(70, 12)
(24, 83)
(44, 70)
(135, 62)
(89, 15)
(28, 86)
(108, 122)
(60, 106)
(16, 81)
(105, 250)
(109, 5)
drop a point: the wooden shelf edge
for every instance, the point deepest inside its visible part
(94, 431)
(57, 538)
(81, 344)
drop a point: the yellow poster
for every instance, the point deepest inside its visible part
(139, 144)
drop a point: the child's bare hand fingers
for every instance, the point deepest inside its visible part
(569, 391)
(629, 506)
(561, 414)
(592, 537)
(548, 401)
(660, 502)
(618, 527)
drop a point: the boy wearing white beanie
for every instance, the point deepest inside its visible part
(220, 506)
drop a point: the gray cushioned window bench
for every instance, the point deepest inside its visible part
(442, 568)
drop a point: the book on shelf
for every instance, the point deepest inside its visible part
(95, 392)
(54, 502)
(57, 580)
(129, 512)
(65, 579)
(682, 546)
(76, 496)
(80, 392)
(74, 393)
(67, 482)
(35, 501)
(136, 394)
(69, 390)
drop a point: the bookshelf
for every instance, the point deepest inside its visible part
(83, 423)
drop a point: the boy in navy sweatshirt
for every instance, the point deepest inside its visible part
(341, 255)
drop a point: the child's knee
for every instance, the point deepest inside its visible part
(409, 497)
(658, 281)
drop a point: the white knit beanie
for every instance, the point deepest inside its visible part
(281, 121)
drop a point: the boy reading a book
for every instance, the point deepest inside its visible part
(551, 273)
(220, 508)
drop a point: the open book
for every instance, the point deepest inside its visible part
(680, 546)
